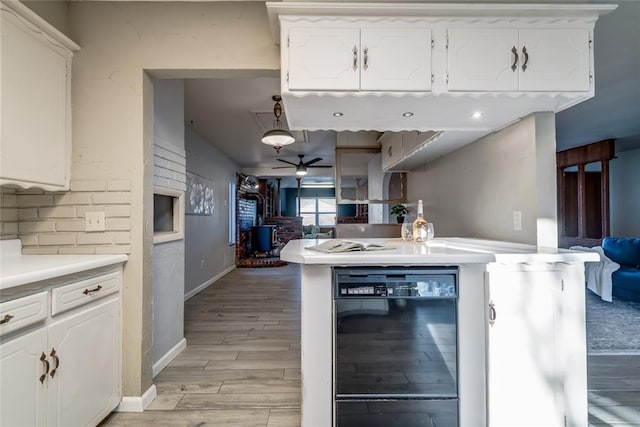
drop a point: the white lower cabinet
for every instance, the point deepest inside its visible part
(86, 386)
(524, 370)
(68, 371)
(23, 398)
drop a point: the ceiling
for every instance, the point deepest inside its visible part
(234, 113)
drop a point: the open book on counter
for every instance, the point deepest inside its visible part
(338, 246)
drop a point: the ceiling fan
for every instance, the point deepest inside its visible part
(301, 167)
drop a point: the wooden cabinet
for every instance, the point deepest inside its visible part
(353, 58)
(67, 371)
(524, 364)
(525, 60)
(35, 137)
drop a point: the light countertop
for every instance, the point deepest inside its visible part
(17, 269)
(437, 251)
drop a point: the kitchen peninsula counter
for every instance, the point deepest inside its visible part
(521, 337)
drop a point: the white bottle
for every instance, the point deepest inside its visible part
(420, 226)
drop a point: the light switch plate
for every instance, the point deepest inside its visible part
(517, 220)
(94, 221)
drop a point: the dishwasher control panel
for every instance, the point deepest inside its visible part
(377, 282)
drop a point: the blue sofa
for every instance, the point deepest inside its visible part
(626, 252)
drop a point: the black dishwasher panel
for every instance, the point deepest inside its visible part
(395, 346)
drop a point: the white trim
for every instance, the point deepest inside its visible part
(169, 356)
(137, 403)
(206, 284)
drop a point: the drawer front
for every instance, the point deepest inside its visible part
(76, 294)
(22, 312)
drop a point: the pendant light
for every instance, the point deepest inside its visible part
(277, 137)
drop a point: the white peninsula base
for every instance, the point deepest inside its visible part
(521, 328)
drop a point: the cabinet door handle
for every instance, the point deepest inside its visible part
(492, 313)
(390, 151)
(514, 66)
(526, 58)
(43, 359)
(55, 359)
(355, 58)
(89, 291)
(6, 319)
(366, 59)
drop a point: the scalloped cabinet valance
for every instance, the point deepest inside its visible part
(35, 141)
(425, 67)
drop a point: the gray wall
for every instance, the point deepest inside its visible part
(168, 258)
(208, 253)
(473, 191)
(625, 194)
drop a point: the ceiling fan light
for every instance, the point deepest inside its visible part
(301, 170)
(278, 137)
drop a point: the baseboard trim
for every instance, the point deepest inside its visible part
(208, 283)
(169, 356)
(137, 403)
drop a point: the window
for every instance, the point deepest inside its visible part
(317, 211)
(232, 213)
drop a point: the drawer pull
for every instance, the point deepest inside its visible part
(56, 359)
(6, 319)
(89, 291)
(43, 359)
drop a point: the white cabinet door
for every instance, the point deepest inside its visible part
(482, 59)
(524, 383)
(395, 59)
(22, 395)
(324, 58)
(391, 149)
(86, 385)
(546, 60)
(554, 60)
(35, 133)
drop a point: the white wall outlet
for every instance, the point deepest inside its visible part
(517, 220)
(94, 221)
(201, 264)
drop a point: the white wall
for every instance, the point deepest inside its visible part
(473, 191)
(624, 188)
(123, 44)
(168, 257)
(208, 253)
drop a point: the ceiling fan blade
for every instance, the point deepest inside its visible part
(288, 162)
(320, 166)
(310, 162)
(281, 167)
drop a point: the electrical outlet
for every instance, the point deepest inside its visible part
(517, 220)
(94, 221)
(201, 264)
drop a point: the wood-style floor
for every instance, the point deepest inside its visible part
(241, 366)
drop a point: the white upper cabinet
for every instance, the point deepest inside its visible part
(370, 59)
(324, 58)
(554, 60)
(35, 136)
(507, 59)
(395, 59)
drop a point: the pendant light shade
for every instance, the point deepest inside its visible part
(277, 137)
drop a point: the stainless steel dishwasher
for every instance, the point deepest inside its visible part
(395, 347)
